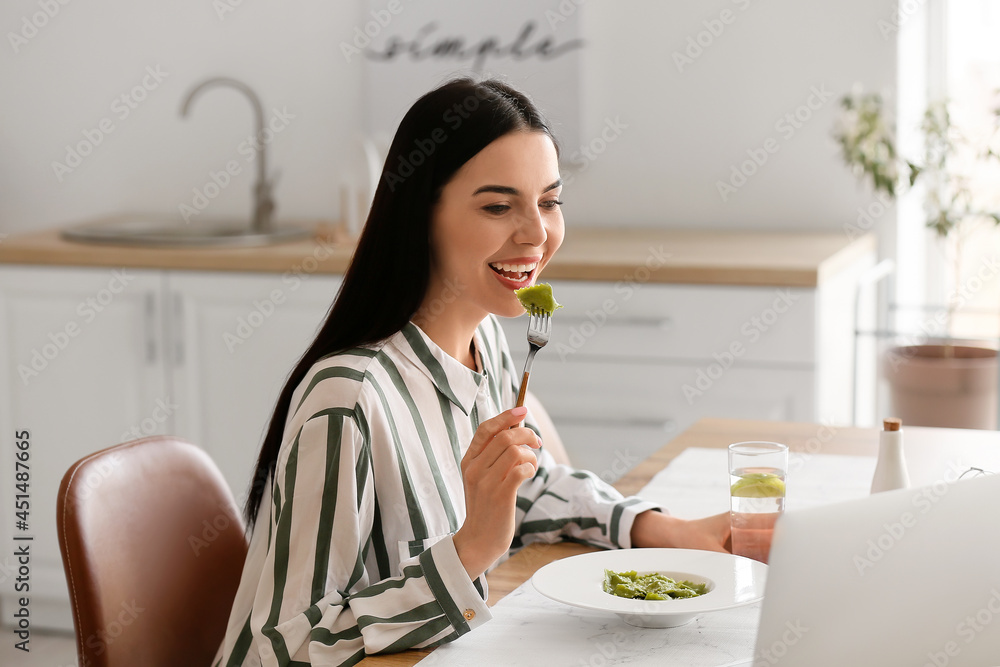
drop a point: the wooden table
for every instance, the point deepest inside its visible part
(929, 452)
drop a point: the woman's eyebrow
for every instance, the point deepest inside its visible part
(499, 189)
(507, 190)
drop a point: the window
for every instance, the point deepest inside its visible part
(971, 74)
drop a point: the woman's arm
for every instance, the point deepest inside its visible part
(560, 501)
(316, 601)
(655, 529)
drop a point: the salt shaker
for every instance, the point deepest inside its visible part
(890, 471)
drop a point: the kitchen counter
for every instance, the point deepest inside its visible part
(671, 256)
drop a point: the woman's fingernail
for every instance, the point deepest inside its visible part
(519, 412)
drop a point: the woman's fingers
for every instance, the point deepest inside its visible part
(490, 428)
(516, 464)
(496, 434)
(504, 452)
(508, 439)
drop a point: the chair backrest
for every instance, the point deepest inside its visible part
(550, 437)
(153, 548)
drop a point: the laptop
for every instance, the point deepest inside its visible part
(909, 577)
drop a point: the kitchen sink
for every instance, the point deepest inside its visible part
(142, 231)
(138, 230)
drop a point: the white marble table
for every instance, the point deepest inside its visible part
(529, 629)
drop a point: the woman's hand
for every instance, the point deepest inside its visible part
(656, 529)
(493, 468)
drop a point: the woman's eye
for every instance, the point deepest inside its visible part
(496, 208)
(551, 203)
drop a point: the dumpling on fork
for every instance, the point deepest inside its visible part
(538, 296)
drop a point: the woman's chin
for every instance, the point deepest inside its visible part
(514, 309)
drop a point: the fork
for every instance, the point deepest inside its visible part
(539, 329)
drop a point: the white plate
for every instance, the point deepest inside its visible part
(733, 581)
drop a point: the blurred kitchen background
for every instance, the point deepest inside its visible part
(684, 128)
(714, 117)
(691, 104)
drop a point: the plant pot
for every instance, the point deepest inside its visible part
(931, 389)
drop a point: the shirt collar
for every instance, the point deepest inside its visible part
(458, 383)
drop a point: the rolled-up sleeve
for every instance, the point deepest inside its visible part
(562, 502)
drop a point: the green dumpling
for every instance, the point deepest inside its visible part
(650, 586)
(538, 296)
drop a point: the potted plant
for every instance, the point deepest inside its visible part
(943, 383)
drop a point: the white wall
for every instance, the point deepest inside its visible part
(688, 128)
(65, 79)
(685, 129)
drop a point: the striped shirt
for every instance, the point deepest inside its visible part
(353, 551)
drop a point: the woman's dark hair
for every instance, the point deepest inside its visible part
(442, 131)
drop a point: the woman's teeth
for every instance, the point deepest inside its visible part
(515, 268)
(513, 271)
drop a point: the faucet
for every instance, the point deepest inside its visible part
(263, 205)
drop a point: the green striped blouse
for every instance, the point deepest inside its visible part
(353, 551)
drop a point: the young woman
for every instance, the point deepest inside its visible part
(394, 473)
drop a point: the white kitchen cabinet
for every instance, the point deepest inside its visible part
(681, 322)
(80, 358)
(631, 365)
(234, 339)
(92, 356)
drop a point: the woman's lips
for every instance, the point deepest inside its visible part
(512, 283)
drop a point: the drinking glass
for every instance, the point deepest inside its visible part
(757, 495)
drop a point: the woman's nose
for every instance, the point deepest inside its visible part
(531, 229)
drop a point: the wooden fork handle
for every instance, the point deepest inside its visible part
(522, 391)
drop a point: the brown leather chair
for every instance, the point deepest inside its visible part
(153, 548)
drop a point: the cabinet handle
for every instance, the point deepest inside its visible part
(149, 324)
(661, 323)
(668, 425)
(178, 330)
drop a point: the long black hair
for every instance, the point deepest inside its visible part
(442, 131)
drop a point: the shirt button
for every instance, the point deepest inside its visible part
(469, 614)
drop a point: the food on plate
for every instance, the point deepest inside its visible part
(538, 296)
(650, 586)
(758, 485)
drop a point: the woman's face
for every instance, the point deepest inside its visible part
(497, 224)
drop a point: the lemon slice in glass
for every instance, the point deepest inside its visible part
(759, 485)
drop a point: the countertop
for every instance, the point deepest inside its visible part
(780, 259)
